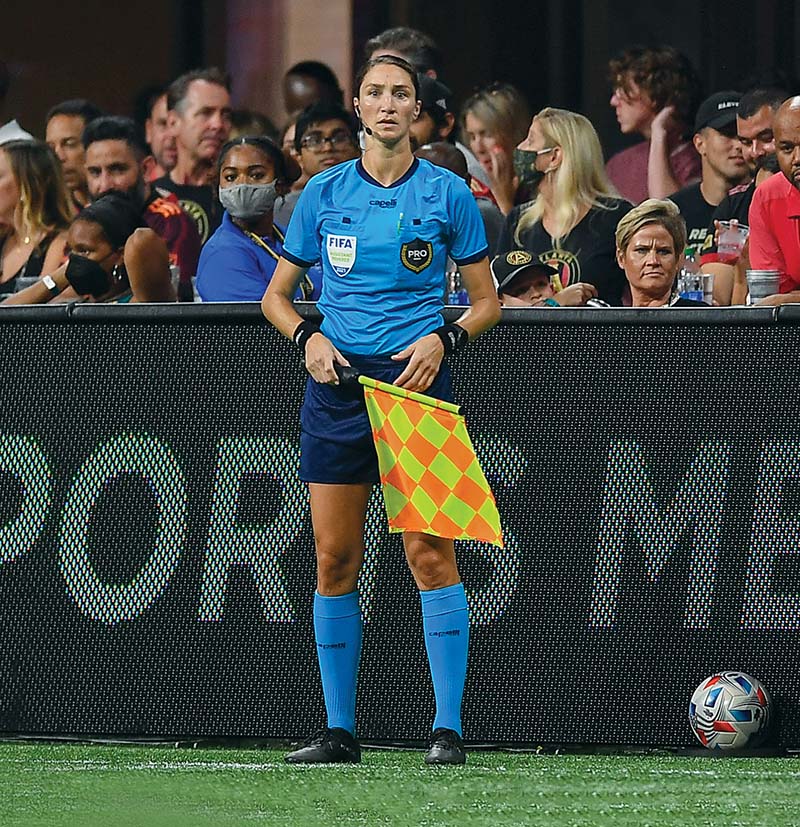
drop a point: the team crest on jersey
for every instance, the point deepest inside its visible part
(416, 255)
(341, 251)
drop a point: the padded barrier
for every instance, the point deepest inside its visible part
(156, 557)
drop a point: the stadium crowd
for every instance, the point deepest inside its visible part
(192, 201)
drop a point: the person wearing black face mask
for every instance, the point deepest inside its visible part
(570, 223)
(112, 258)
(238, 261)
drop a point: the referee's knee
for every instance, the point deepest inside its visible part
(432, 567)
(337, 570)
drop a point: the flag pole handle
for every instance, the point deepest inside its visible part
(347, 375)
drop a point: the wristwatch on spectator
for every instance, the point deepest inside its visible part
(50, 283)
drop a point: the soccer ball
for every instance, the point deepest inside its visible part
(730, 711)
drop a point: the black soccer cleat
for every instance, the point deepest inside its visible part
(327, 746)
(446, 748)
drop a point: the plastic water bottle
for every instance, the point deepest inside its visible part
(456, 294)
(690, 281)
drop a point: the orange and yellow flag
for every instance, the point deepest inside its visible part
(432, 481)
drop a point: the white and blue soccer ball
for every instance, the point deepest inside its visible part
(730, 711)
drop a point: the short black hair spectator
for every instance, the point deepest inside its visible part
(77, 107)
(179, 88)
(116, 128)
(756, 99)
(249, 122)
(769, 163)
(317, 113)
(418, 48)
(116, 214)
(323, 74)
(145, 100)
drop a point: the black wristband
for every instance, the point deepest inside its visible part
(453, 336)
(303, 332)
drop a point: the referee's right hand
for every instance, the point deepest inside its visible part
(320, 358)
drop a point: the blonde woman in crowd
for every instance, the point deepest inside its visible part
(494, 121)
(650, 242)
(571, 223)
(34, 213)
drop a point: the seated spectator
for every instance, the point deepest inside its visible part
(65, 124)
(447, 156)
(775, 211)
(35, 212)
(117, 160)
(522, 281)
(723, 165)
(418, 48)
(112, 259)
(650, 243)
(287, 145)
(734, 289)
(307, 83)
(238, 261)
(493, 122)
(325, 135)
(754, 117)
(159, 137)
(571, 223)
(246, 122)
(10, 131)
(655, 95)
(199, 104)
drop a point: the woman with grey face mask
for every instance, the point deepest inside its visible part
(237, 262)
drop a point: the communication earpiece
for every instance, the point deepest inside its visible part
(363, 125)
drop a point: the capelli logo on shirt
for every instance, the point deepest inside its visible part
(384, 205)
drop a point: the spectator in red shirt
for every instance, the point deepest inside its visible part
(775, 211)
(117, 159)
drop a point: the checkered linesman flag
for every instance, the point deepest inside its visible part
(432, 481)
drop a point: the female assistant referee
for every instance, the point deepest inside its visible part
(382, 226)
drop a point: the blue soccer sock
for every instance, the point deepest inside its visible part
(337, 629)
(446, 624)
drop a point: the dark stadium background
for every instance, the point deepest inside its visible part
(555, 50)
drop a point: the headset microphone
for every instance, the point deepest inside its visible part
(363, 125)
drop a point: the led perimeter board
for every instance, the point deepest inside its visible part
(156, 553)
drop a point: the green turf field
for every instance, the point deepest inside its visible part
(57, 785)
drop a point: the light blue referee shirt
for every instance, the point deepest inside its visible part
(383, 251)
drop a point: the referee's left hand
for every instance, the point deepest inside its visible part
(424, 358)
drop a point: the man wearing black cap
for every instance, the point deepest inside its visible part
(523, 281)
(436, 122)
(723, 165)
(754, 117)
